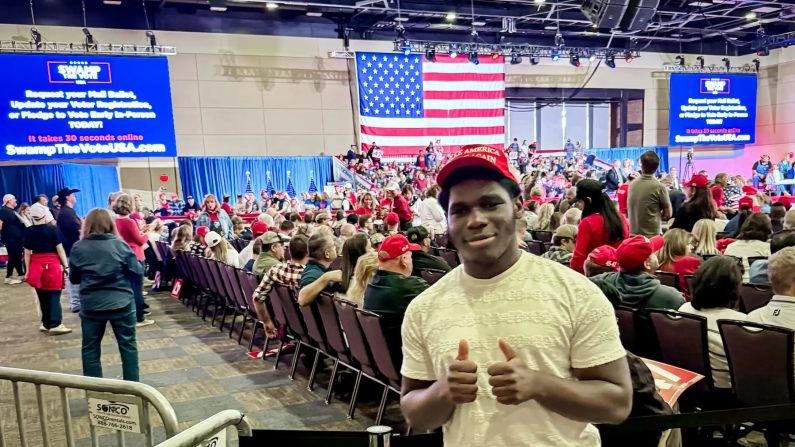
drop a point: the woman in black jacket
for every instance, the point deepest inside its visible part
(699, 204)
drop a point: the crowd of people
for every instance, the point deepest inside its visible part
(609, 232)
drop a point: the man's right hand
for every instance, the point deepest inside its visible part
(462, 378)
(333, 275)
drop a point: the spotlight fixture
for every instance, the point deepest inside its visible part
(473, 57)
(574, 59)
(406, 49)
(218, 5)
(628, 56)
(453, 52)
(89, 38)
(35, 36)
(450, 16)
(271, 5)
(756, 64)
(516, 58)
(152, 39)
(700, 60)
(400, 30)
(430, 54)
(680, 60)
(726, 63)
(534, 60)
(763, 51)
(112, 2)
(495, 55)
(610, 60)
(555, 55)
(750, 16)
(559, 42)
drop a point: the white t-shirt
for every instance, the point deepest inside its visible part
(717, 355)
(245, 253)
(744, 249)
(780, 311)
(432, 216)
(554, 318)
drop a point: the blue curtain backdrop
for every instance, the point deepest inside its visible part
(227, 175)
(95, 182)
(632, 153)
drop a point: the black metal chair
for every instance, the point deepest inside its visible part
(335, 338)
(626, 327)
(543, 235)
(450, 256)
(381, 352)
(754, 296)
(668, 279)
(431, 275)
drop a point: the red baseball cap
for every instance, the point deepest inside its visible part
(604, 256)
(476, 155)
(394, 246)
(786, 201)
(392, 219)
(259, 228)
(202, 230)
(697, 181)
(633, 252)
(749, 190)
(745, 202)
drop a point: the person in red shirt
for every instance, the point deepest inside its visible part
(137, 239)
(601, 223)
(675, 257)
(366, 205)
(399, 205)
(622, 194)
(225, 205)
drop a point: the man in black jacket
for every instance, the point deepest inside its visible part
(615, 177)
(12, 230)
(420, 259)
(69, 223)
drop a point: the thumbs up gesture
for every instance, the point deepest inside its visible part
(512, 381)
(461, 382)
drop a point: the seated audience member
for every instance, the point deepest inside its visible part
(220, 249)
(238, 229)
(531, 215)
(699, 204)
(777, 213)
(778, 242)
(789, 220)
(422, 259)
(600, 260)
(347, 231)
(272, 253)
(392, 223)
(572, 216)
(352, 219)
(601, 223)
(545, 213)
(253, 254)
(286, 230)
(198, 246)
(258, 228)
(190, 205)
(321, 219)
(780, 311)
(366, 266)
(376, 239)
(181, 239)
(339, 219)
(752, 241)
(716, 289)
(562, 245)
(317, 277)
(523, 235)
(365, 224)
(704, 241)
(352, 250)
(287, 274)
(675, 256)
(646, 401)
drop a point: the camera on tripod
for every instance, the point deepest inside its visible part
(690, 155)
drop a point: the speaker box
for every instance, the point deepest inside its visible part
(605, 14)
(638, 14)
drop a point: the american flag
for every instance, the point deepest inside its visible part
(406, 102)
(290, 188)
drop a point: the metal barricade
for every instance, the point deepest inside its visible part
(211, 431)
(118, 405)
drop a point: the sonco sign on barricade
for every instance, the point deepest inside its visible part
(216, 440)
(116, 412)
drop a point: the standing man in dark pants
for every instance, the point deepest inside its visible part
(69, 224)
(12, 230)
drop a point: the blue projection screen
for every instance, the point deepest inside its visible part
(711, 109)
(56, 106)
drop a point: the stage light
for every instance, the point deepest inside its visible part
(152, 39)
(450, 16)
(726, 63)
(453, 52)
(592, 57)
(430, 54)
(516, 58)
(680, 60)
(495, 55)
(473, 57)
(763, 51)
(628, 56)
(400, 30)
(555, 55)
(112, 2)
(271, 5)
(218, 5)
(534, 60)
(35, 36)
(700, 60)
(406, 49)
(756, 64)
(750, 16)
(89, 38)
(610, 60)
(574, 59)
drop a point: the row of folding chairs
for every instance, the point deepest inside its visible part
(337, 329)
(752, 296)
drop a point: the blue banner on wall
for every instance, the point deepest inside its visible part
(56, 106)
(712, 109)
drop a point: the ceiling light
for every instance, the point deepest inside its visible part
(700, 60)
(680, 60)
(430, 54)
(750, 16)
(538, 2)
(574, 59)
(112, 2)
(551, 27)
(271, 5)
(218, 5)
(314, 14)
(555, 55)
(610, 60)
(516, 58)
(628, 56)
(534, 60)
(450, 16)
(495, 55)
(478, 23)
(401, 19)
(473, 57)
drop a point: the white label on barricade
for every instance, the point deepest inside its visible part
(216, 440)
(116, 412)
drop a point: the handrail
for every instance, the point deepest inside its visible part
(114, 386)
(343, 173)
(206, 428)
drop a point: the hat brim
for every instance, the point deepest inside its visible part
(415, 247)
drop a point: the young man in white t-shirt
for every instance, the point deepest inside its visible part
(509, 349)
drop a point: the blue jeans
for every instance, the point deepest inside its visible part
(73, 293)
(756, 180)
(122, 321)
(50, 304)
(138, 293)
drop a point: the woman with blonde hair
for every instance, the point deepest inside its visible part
(545, 213)
(183, 235)
(365, 269)
(704, 238)
(213, 217)
(675, 256)
(105, 268)
(221, 250)
(572, 216)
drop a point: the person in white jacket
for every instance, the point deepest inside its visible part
(431, 213)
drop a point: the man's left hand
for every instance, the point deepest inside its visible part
(512, 381)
